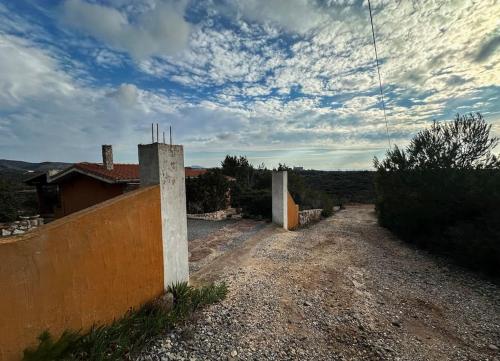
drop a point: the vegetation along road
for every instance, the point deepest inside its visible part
(343, 289)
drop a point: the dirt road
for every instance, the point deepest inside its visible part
(343, 289)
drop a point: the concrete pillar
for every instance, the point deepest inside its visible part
(280, 198)
(163, 164)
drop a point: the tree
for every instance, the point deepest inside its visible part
(442, 192)
(283, 167)
(232, 165)
(464, 143)
(239, 168)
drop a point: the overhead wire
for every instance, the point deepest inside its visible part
(379, 77)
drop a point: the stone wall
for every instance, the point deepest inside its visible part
(215, 216)
(309, 216)
(25, 224)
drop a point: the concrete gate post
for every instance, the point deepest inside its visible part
(280, 198)
(163, 164)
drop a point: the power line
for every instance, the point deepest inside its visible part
(379, 77)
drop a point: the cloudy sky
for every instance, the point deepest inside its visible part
(289, 81)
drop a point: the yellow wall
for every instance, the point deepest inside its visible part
(89, 267)
(293, 213)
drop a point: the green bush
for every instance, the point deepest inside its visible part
(443, 192)
(327, 206)
(207, 192)
(255, 203)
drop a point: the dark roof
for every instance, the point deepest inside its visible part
(121, 173)
(36, 178)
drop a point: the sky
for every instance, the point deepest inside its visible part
(280, 81)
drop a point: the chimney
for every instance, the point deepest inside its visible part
(107, 156)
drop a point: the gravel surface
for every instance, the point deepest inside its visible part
(214, 238)
(198, 228)
(343, 289)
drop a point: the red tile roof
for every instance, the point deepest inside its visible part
(119, 173)
(192, 172)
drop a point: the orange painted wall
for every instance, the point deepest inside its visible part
(293, 213)
(82, 192)
(89, 267)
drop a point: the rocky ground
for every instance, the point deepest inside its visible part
(343, 289)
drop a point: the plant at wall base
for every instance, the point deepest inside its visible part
(48, 349)
(126, 337)
(180, 292)
(188, 299)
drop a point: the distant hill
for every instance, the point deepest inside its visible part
(31, 167)
(346, 186)
(16, 171)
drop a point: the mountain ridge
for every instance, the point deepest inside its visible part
(29, 167)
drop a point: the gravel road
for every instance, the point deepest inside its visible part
(199, 228)
(342, 289)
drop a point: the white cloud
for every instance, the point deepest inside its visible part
(126, 94)
(293, 15)
(272, 81)
(107, 58)
(26, 71)
(158, 31)
(49, 112)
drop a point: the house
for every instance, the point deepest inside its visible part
(47, 194)
(84, 184)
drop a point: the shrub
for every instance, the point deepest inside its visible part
(254, 202)
(327, 206)
(207, 192)
(443, 192)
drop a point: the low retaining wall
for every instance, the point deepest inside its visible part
(89, 267)
(214, 216)
(211, 216)
(309, 215)
(25, 224)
